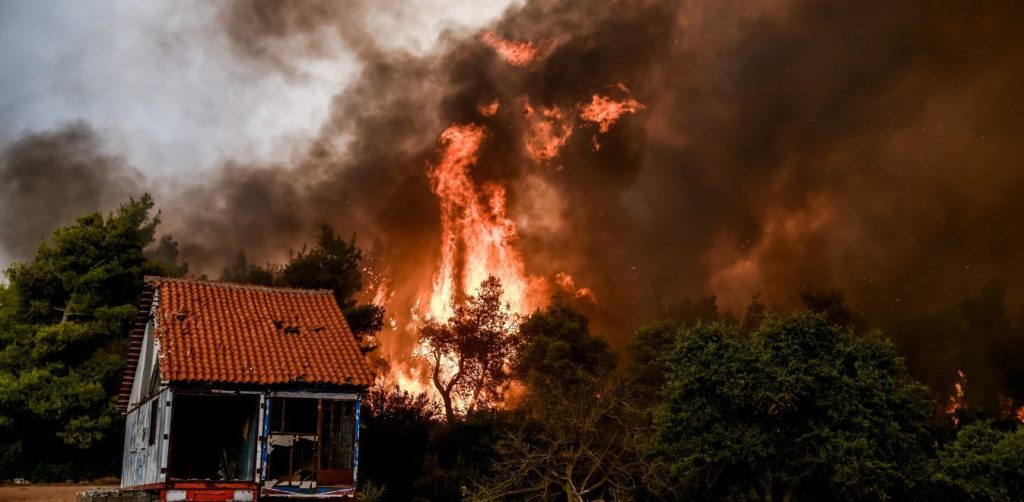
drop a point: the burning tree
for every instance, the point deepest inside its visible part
(469, 353)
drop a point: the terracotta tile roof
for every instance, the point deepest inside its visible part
(231, 333)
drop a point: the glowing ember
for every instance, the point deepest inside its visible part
(488, 109)
(477, 240)
(1020, 414)
(605, 111)
(957, 401)
(516, 53)
(546, 133)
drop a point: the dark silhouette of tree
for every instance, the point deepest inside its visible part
(977, 335)
(245, 272)
(333, 263)
(165, 253)
(557, 349)
(578, 437)
(396, 427)
(647, 347)
(470, 353)
(832, 304)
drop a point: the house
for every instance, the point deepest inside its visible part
(240, 392)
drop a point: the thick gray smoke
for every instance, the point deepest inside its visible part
(50, 178)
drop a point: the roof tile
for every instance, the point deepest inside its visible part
(222, 332)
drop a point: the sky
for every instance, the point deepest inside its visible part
(162, 85)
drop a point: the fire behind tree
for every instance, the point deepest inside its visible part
(772, 147)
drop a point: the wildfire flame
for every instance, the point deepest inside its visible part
(605, 111)
(477, 239)
(488, 109)
(547, 131)
(957, 401)
(516, 53)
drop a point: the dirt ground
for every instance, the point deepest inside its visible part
(43, 493)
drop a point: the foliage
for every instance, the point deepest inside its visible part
(558, 349)
(245, 272)
(469, 353)
(689, 312)
(993, 359)
(165, 254)
(461, 452)
(577, 438)
(332, 263)
(647, 367)
(984, 463)
(799, 408)
(395, 428)
(371, 492)
(65, 319)
(832, 304)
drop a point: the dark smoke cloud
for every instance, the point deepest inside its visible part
(785, 146)
(48, 179)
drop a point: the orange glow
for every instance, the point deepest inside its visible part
(477, 239)
(605, 111)
(547, 131)
(568, 285)
(516, 53)
(957, 401)
(488, 109)
(1020, 414)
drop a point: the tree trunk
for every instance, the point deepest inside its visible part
(445, 391)
(449, 410)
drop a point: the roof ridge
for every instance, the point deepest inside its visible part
(156, 279)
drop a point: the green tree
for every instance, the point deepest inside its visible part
(65, 319)
(647, 366)
(334, 263)
(799, 409)
(984, 463)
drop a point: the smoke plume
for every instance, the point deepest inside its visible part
(772, 147)
(51, 178)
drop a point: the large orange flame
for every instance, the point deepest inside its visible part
(477, 239)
